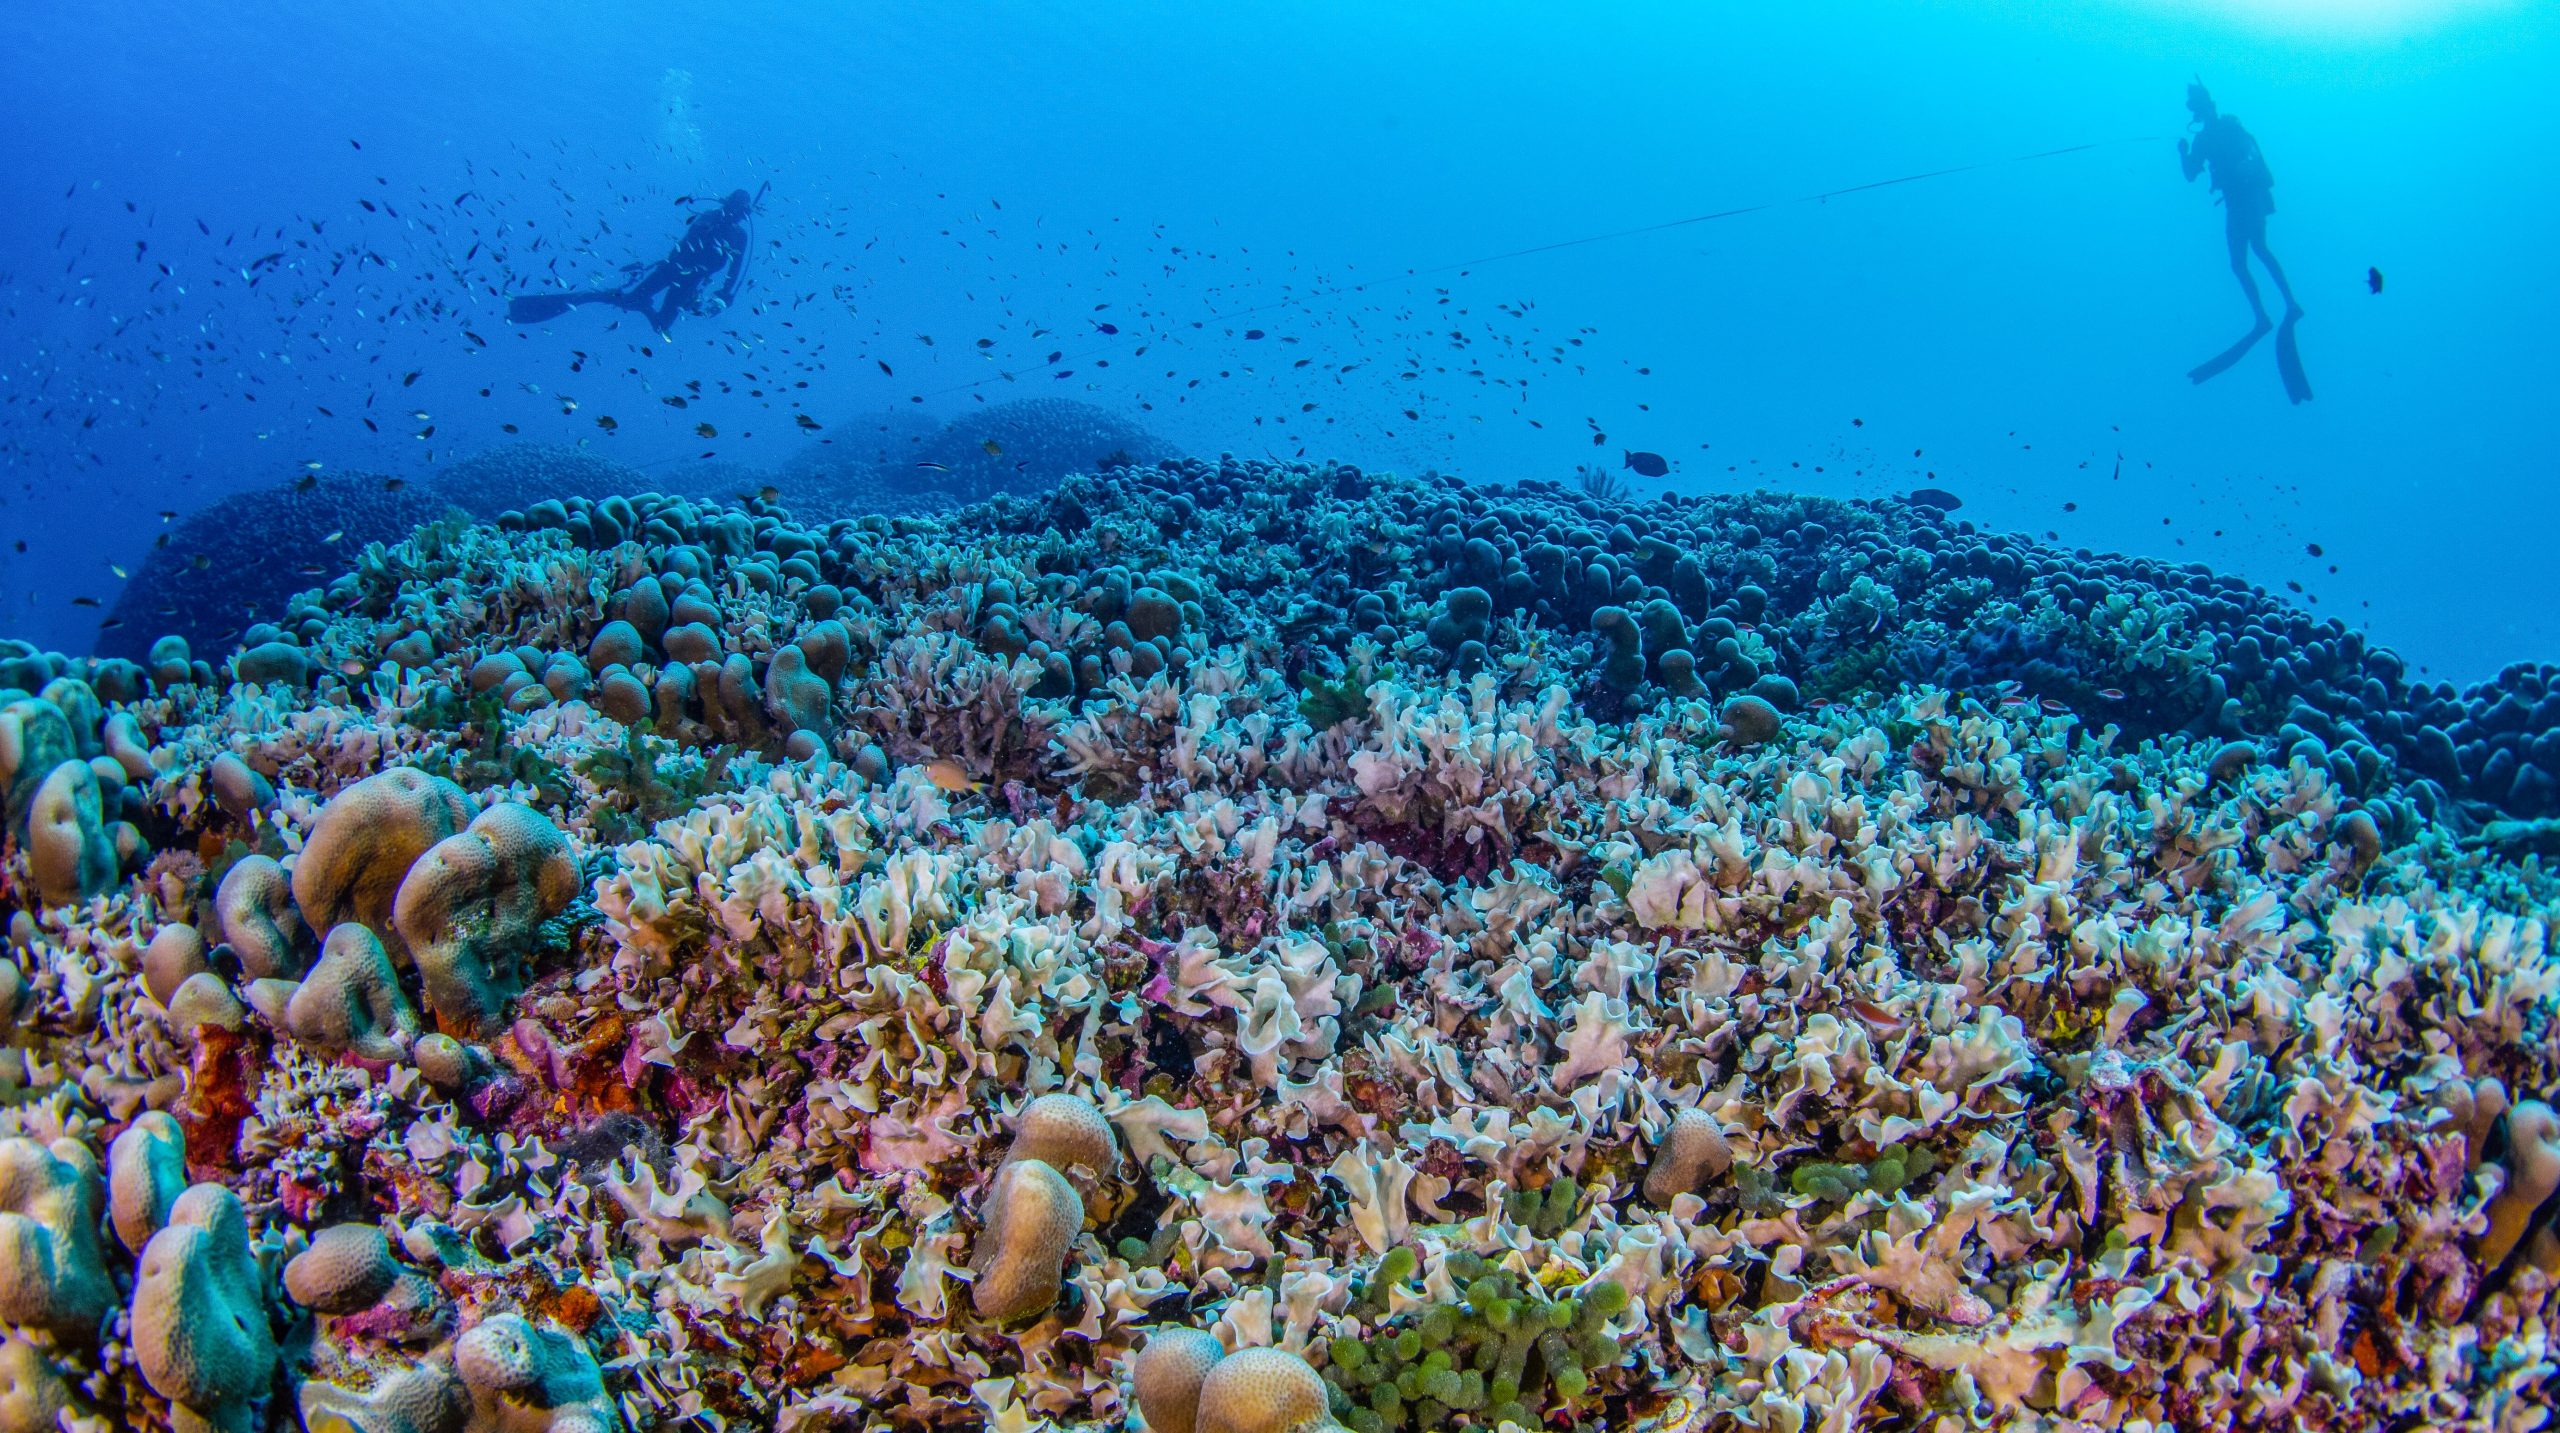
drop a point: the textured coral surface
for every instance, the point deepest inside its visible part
(1404, 956)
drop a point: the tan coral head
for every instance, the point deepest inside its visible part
(1033, 1216)
(1064, 1131)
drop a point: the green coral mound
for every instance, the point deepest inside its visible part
(1506, 1353)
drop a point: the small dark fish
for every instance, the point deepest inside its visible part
(1938, 498)
(995, 452)
(705, 430)
(1106, 328)
(608, 425)
(1253, 333)
(305, 483)
(2373, 280)
(2313, 548)
(393, 485)
(885, 368)
(1649, 465)
(672, 401)
(2111, 694)
(933, 467)
(410, 377)
(84, 601)
(805, 421)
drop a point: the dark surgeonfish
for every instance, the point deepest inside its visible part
(1650, 465)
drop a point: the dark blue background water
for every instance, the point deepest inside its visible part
(985, 170)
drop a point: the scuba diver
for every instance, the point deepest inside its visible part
(714, 239)
(2240, 176)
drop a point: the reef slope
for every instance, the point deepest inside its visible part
(1266, 946)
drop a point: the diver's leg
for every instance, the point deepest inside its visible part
(678, 297)
(2236, 233)
(636, 297)
(2258, 241)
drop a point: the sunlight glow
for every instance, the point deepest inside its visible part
(2386, 20)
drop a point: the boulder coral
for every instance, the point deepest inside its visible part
(1166, 1374)
(33, 1393)
(69, 855)
(422, 1398)
(259, 920)
(1262, 1390)
(176, 952)
(346, 1267)
(528, 1378)
(361, 848)
(1032, 1218)
(1065, 1132)
(1692, 1151)
(53, 1273)
(146, 1172)
(2519, 1218)
(471, 904)
(351, 1002)
(200, 1330)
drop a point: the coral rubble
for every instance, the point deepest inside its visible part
(1222, 946)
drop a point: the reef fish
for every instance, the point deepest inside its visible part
(1649, 465)
(1938, 498)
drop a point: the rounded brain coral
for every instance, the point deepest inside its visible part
(53, 1274)
(1167, 1374)
(347, 1267)
(68, 852)
(366, 839)
(33, 1393)
(470, 904)
(1262, 1390)
(200, 1331)
(1063, 1132)
(1032, 1216)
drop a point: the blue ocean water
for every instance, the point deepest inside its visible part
(2017, 331)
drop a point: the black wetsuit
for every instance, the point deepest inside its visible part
(714, 239)
(2248, 192)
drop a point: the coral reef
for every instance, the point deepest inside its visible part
(1254, 947)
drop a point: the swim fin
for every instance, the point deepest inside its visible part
(540, 308)
(2220, 363)
(2297, 386)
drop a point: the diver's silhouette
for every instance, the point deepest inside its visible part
(2247, 189)
(713, 240)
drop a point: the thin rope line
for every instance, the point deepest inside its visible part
(1410, 275)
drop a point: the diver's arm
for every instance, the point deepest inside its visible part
(2191, 157)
